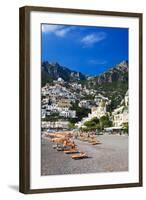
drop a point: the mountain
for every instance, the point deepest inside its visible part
(117, 73)
(52, 71)
(112, 83)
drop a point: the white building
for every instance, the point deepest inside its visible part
(120, 118)
(120, 115)
(60, 80)
(68, 114)
(98, 112)
(43, 113)
(57, 124)
(126, 98)
(100, 98)
(45, 100)
(52, 107)
(84, 104)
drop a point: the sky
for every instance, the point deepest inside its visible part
(87, 49)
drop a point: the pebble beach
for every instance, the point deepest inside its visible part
(109, 156)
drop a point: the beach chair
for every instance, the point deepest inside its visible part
(79, 156)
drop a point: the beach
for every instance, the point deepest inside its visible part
(109, 156)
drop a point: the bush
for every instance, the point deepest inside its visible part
(126, 128)
(105, 122)
(92, 123)
(71, 125)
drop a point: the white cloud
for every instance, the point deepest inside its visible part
(46, 28)
(58, 30)
(62, 32)
(93, 38)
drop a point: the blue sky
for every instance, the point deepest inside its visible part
(87, 49)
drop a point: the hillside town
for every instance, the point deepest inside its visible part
(61, 100)
(79, 123)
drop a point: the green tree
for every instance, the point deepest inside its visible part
(105, 122)
(92, 124)
(126, 127)
(71, 125)
(80, 112)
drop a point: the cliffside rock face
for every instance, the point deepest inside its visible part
(52, 71)
(117, 73)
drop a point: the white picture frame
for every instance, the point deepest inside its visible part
(31, 180)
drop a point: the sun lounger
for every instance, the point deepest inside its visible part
(79, 156)
(95, 143)
(54, 146)
(60, 148)
(71, 151)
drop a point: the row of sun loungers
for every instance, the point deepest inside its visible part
(64, 143)
(68, 150)
(92, 141)
(76, 154)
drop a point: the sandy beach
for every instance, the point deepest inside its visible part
(110, 156)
